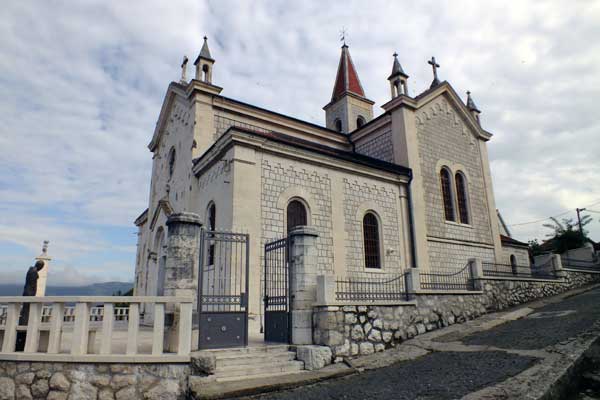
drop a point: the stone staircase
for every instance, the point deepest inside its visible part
(227, 365)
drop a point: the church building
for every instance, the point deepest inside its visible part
(410, 188)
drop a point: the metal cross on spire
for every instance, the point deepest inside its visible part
(343, 35)
(434, 66)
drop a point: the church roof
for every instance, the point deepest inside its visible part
(506, 240)
(346, 80)
(303, 144)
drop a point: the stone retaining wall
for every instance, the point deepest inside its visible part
(364, 329)
(74, 381)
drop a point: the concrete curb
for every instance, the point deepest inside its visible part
(234, 389)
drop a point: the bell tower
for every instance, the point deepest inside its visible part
(204, 64)
(348, 109)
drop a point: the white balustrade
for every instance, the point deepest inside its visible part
(71, 324)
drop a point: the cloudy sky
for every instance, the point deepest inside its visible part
(82, 83)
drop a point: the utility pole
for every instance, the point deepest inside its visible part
(579, 222)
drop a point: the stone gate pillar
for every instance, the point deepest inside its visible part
(183, 247)
(303, 282)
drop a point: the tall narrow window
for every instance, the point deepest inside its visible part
(447, 194)
(296, 215)
(212, 216)
(461, 197)
(513, 264)
(371, 241)
(171, 162)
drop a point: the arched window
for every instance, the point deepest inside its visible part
(171, 162)
(446, 183)
(211, 225)
(462, 198)
(371, 241)
(338, 124)
(205, 69)
(360, 121)
(296, 215)
(513, 264)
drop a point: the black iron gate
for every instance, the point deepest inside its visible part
(276, 292)
(223, 290)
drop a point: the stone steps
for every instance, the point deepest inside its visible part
(250, 363)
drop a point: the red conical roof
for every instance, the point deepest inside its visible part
(347, 78)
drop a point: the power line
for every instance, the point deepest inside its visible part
(555, 216)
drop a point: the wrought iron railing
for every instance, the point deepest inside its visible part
(519, 271)
(577, 263)
(461, 279)
(370, 289)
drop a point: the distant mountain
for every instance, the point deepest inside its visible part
(96, 289)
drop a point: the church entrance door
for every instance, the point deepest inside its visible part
(276, 292)
(223, 290)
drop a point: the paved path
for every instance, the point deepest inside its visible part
(464, 359)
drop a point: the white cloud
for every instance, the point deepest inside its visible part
(82, 89)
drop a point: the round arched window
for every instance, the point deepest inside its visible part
(360, 121)
(371, 241)
(338, 125)
(296, 215)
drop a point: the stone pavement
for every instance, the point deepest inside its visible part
(525, 353)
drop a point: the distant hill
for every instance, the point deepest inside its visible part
(96, 289)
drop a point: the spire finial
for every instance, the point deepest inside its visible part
(434, 66)
(471, 104)
(343, 34)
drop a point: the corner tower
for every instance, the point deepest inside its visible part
(348, 109)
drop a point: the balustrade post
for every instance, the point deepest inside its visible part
(158, 333)
(107, 328)
(557, 266)
(10, 329)
(133, 328)
(413, 281)
(185, 328)
(326, 289)
(303, 282)
(32, 340)
(81, 329)
(476, 268)
(58, 311)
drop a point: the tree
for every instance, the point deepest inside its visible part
(566, 235)
(535, 248)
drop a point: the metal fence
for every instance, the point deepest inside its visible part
(519, 271)
(461, 279)
(390, 287)
(575, 263)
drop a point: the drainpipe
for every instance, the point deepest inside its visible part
(411, 223)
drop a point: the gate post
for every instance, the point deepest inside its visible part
(303, 282)
(181, 269)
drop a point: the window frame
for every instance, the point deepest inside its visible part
(304, 204)
(362, 120)
(467, 205)
(379, 247)
(450, 193)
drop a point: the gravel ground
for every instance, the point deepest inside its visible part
(580, 313)
(439, 376)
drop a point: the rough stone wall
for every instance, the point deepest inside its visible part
(62, 381)
(379, 145)
(275, 179)
(359, 330)
(355, 195)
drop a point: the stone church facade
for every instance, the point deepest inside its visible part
(410, 188)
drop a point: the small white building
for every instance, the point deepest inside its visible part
(409, 189)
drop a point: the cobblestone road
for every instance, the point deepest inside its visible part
(453, 374)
